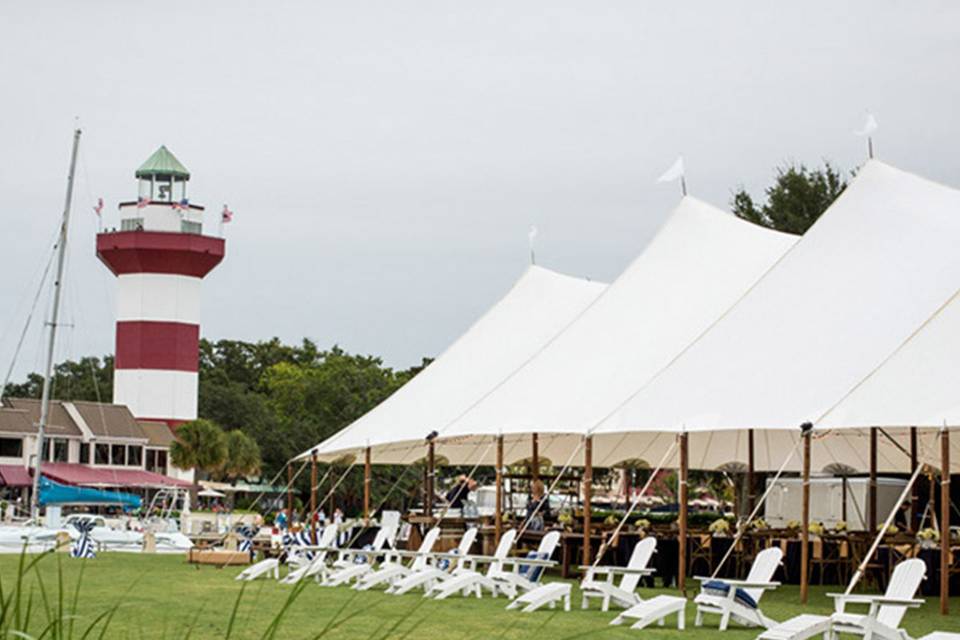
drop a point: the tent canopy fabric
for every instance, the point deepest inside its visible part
(876, 266)
(539, 305)
(14, 475)
(54, 493)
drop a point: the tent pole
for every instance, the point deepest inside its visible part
(313, 498)
(914, 496)
(431, 462)
(498, 507)
(944, 521)
(805, 516)
(366, 486)
(535, 457)
(682, 516)
(872, 499)
(587, 498)
(751, 470)
(289, 495)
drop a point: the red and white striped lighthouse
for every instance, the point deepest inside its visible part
(160, 257)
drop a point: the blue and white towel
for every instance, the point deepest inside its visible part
(83, 547)
(533, 572)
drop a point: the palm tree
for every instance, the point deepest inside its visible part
(200, 444)
(243, 455)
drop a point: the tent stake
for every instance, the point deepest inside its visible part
(944, 521)
(366, 486)
(313, 498)
(498, 507)
(805, 524)
(682, 517)
(587, 498)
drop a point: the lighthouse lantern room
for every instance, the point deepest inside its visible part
(160, 256)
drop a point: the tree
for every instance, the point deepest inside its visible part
(796, 199)
(200, 444)
(243, 456)
(89, 379)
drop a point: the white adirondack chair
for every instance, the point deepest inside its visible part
(432, 573)
(526, 572)
(393, 569)
(352, 564)
(625, 594)
(318, 565)
(622, 594)
(469, 580)
(882, 621)
(742, 598)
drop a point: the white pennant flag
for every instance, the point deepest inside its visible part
(869, 126)
(675, 172)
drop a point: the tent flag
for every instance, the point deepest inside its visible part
(869, 126)
(54, 493)
(675, 172)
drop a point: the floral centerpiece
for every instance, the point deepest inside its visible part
(565, 519)
(793, 525)
(840, 527)
(816, 529)
(642, 525)
(758, 524)
(928, 538)
(892, 530)
(611, 521)
(720, 528)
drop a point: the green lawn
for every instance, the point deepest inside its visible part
(163, 597)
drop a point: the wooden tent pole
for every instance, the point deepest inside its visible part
(872, 494)
(498, 507)
(914, 495)
(289, 495)
(751, 473)
(535, 457)
(682, 516)
(587, 499)
(944, 521)
(805, 518)
(431, 470)
(367, 479)
(313, 498)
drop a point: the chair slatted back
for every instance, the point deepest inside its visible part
(904, 583)
(425, 547)
(639, 559)
(764, 566)
(502, 551)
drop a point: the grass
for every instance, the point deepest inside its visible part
(161, 596)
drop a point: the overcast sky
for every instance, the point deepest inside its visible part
(384, 160)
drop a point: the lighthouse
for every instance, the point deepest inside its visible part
(160, 256)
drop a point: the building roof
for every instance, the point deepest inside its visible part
(162, 163)
(59, 423)
(15, 421)
(158, 434)
(82, 475)
(109, 420)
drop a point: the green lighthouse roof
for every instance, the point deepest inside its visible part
(163, 163)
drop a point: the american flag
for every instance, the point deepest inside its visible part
(99, 208)
(226, 215)
(142, 202)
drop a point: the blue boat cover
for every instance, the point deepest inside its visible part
(54, 493)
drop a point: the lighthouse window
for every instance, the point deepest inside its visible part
(101, 454)
(134, 456)
(131, 224)
(11, 447)
(118, 454)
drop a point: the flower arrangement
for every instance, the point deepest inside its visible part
(793, 525)
(565, 518)
(642, 524)
(720, 527)
(892, 530)
(816, 528)
(928, 537)
(840, 527)
(758, 524)
(611, 520)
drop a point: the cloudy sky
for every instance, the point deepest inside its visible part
(385, 159)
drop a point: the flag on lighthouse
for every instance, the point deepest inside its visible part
(142, 202)
(226, 215)
(99, 208)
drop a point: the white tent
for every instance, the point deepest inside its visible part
(862, 281)
(539, 305)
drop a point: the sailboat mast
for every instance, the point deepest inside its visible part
(54, 319)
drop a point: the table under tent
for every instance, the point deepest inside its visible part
(723, 345)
